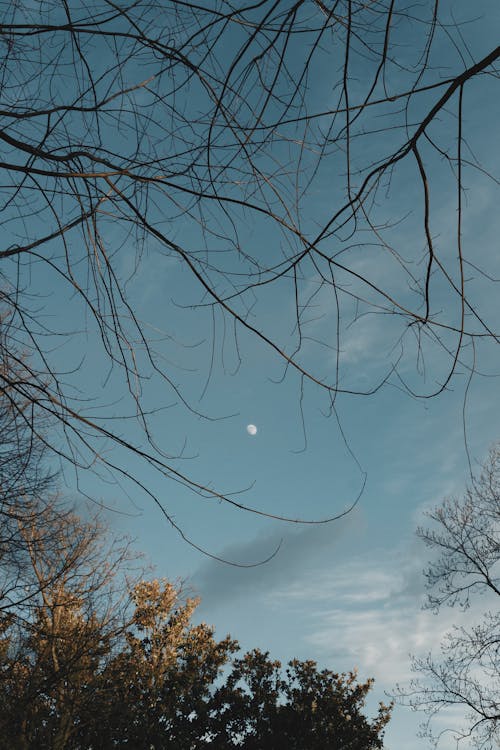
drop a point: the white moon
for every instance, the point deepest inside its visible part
(251, 429)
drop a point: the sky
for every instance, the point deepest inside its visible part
(349, 592)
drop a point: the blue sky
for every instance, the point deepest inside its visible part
(349, 592)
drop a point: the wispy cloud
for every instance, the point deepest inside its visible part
(368, 612)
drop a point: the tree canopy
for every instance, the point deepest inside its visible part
(83, 671)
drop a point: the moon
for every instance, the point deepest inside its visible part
(251, 429)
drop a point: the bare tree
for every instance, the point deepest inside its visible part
(190, 132)
(466, 537)
(43, 544)
(26, 489)
(54, 643)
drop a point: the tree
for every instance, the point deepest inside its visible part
(260, 709)
(156, 691)
(84, 670)
(26, 487)
(466, 537)
(56, 641)
(166, 689)
(190, 133)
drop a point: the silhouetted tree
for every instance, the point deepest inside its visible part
(260, 708)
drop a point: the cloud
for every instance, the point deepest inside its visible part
(379, 640)
(332, 598)
(368, 612)
(301, 551)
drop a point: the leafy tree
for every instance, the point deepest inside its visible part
(183, 133)
(466, 538)
(156, 690)
(165, 690)
(259, 708)
(83, 670)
